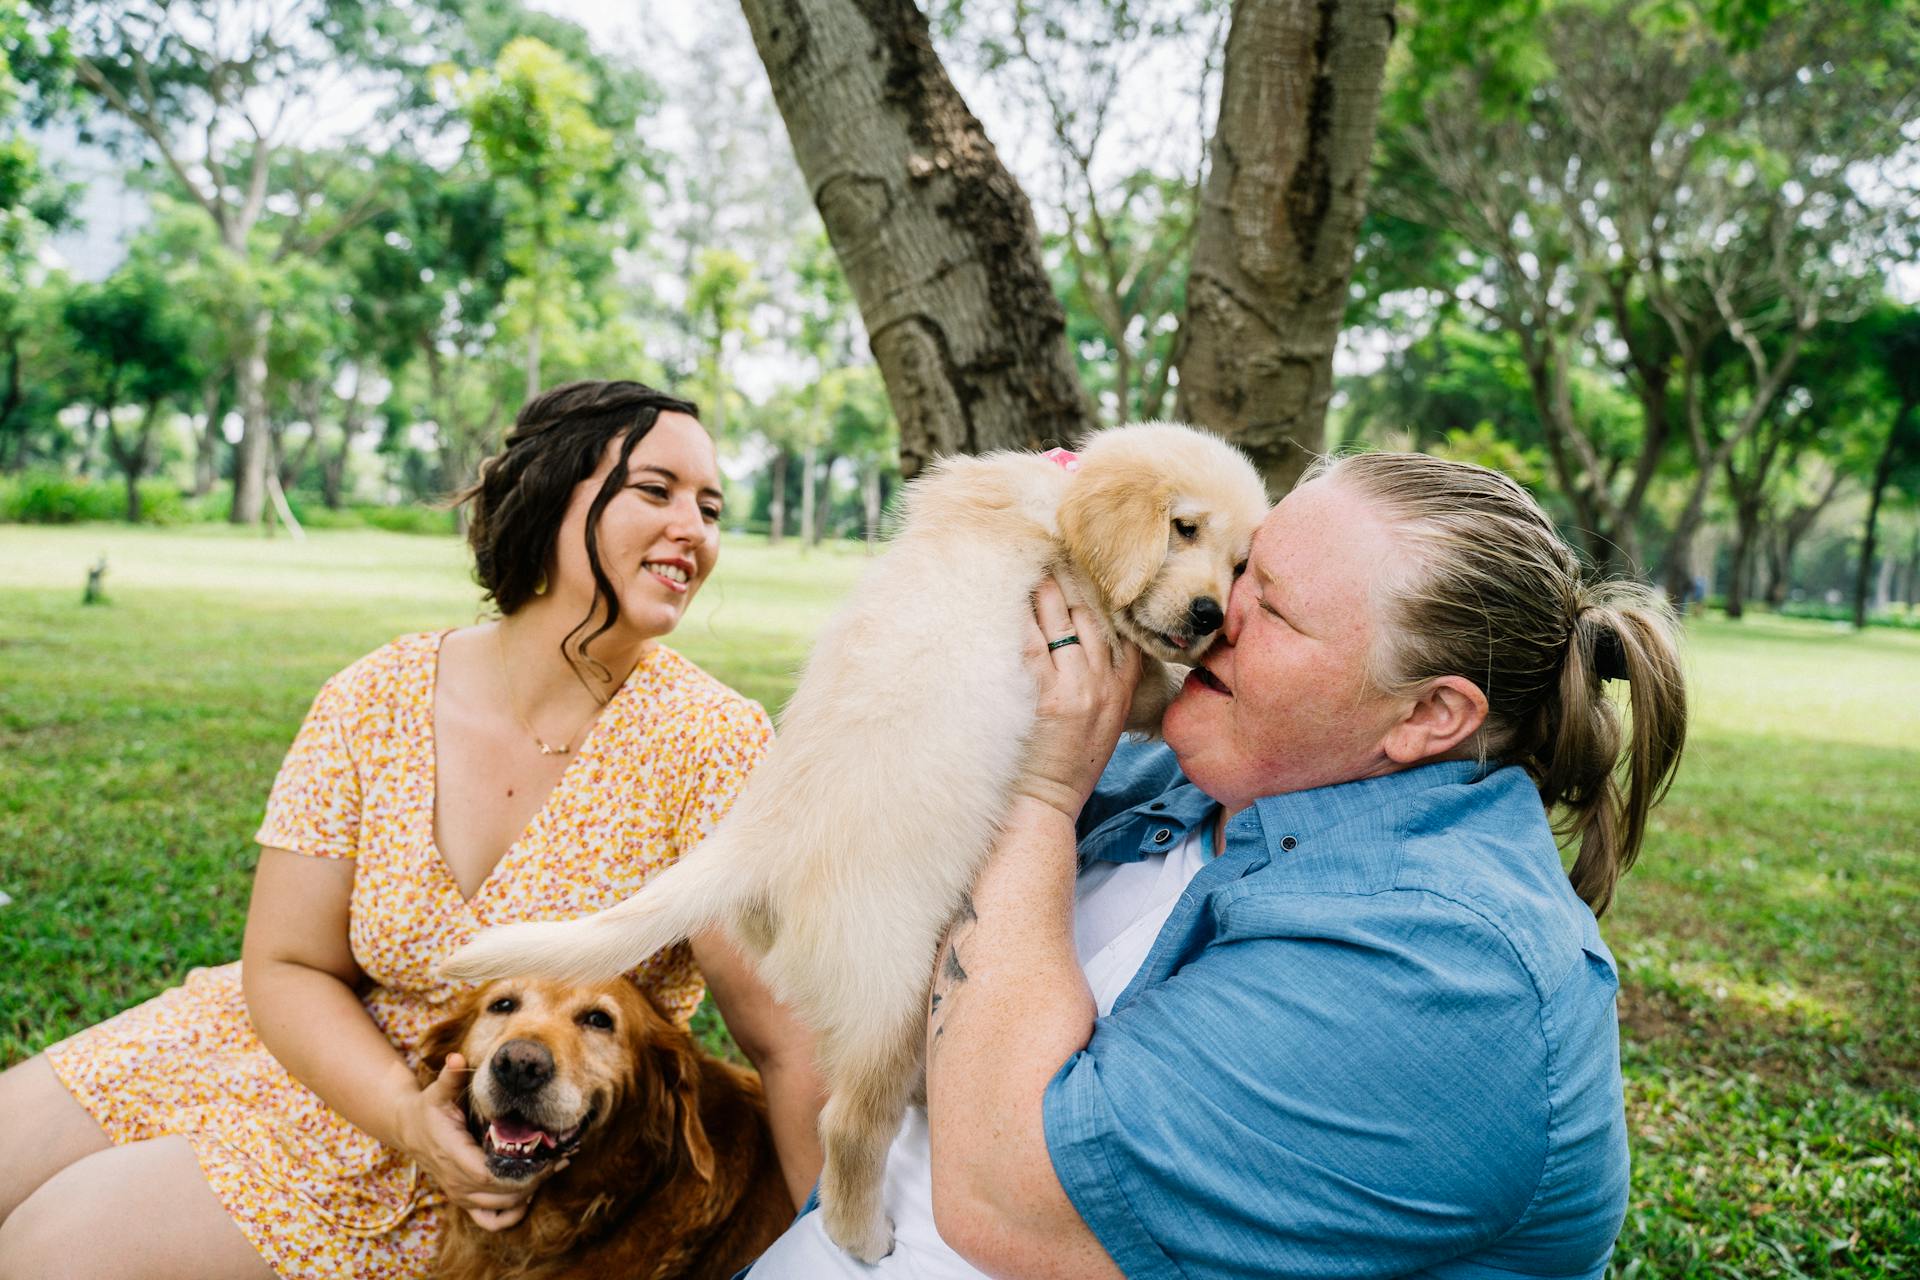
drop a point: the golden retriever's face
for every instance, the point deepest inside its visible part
(1161, 517)
(551, 1063)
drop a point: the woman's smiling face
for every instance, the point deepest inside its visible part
(658, 537)
(1283, 701)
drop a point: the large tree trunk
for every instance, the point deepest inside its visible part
(250, 388)
(1273, 248)
(936, 238)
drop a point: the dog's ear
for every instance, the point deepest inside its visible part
(684, 1086)
(444, 1037)
(1114, 524)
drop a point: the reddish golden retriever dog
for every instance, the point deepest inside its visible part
(671, 1170)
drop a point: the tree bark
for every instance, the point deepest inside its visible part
(250, 388)
(1273, 248)
(937, 239)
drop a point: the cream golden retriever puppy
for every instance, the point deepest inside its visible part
(852, 847)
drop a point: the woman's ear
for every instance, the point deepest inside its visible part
(1450, 711)
(1114, 523)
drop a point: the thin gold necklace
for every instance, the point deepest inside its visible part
(546, 748)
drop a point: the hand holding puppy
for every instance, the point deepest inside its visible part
(1082, 701)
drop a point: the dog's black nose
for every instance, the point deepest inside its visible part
(1206, 616)
(521, 1066)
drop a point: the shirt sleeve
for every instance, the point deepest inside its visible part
(1314, 1094)
(314, 807)
(733, 741)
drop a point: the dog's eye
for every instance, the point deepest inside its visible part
(1240, 568)
(598, 1019)
(1186, 529)
(505, 1004)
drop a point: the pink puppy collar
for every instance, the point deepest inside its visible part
(1063, 459)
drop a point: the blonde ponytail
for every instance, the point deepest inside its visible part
(1493, 593)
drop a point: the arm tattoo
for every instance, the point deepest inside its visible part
(949, 974)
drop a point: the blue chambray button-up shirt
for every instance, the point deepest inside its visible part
(1376, 1037)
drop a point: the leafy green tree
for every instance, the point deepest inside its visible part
(132, 336)
(1627, 188)
(721, 297)
(34, 203)
(532, 124)
(216, 94)
(864, 432)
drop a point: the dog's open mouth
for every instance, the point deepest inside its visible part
(516, 1147)
(1168, 646)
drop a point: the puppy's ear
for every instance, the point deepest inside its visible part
(1114, 524)
(446, 1036)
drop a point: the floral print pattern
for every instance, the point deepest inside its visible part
(317, 1197)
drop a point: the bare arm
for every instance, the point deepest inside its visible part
(300, 979)
(1010, 1002)
(780, 1047)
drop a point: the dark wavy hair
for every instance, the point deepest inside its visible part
(516, 506)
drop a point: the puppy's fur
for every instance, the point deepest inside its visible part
(854, 844)
(672, 1173)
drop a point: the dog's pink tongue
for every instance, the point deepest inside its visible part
(516, 1131)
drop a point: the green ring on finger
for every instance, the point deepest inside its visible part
(1062, 642)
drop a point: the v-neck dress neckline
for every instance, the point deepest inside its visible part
(536, 824)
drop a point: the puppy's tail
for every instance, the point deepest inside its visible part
(690, 896)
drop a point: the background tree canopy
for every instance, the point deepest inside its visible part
(1655, 259)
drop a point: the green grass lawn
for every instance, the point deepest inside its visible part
(1767, 939)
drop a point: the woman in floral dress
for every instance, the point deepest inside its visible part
(264, 1119)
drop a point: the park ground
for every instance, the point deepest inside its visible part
(1767, 940)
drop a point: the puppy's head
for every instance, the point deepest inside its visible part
(561, 1067)
(1160, 518)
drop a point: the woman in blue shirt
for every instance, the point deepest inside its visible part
(1309, 994)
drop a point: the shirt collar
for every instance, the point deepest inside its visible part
(1272, 827)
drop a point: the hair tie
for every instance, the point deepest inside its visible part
(1609, 655)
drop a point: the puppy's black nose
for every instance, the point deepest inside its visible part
(521, 1066)
(1206, 616)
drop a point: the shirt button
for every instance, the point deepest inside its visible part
(1287, 843)
(1157, 805)
(1162, 836)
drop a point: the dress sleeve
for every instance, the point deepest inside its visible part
(314, 807)
(734, 739)
(1314, 1097)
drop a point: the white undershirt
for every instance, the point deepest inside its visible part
(1117, 913)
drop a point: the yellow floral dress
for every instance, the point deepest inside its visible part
(316, 1196)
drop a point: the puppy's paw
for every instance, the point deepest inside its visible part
(869, 1241)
